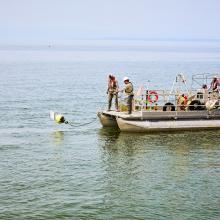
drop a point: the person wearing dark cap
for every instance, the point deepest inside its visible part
(112, 91)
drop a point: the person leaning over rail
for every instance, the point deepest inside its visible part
(128, 89)
(214, 84)
(214, 88)
(112, 91)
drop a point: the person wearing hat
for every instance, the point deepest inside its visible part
(129, 92)
(112, 91)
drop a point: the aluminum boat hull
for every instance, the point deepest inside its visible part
(166, 125)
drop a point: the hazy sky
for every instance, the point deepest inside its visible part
(62, 21)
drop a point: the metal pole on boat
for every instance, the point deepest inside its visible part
(172, 88)
(140, 93)
(143, 99)
(142, 103)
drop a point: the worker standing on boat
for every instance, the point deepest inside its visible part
(129, 92)
(214, 84)
(214, 88)
(112, 92)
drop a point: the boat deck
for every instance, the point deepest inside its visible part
(164, 115)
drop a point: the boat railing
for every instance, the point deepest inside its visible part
(165, 100)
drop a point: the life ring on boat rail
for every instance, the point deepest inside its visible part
(152, 94)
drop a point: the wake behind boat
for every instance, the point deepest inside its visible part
(180, 108)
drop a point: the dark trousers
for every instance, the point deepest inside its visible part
(110, 97)
(129, 103)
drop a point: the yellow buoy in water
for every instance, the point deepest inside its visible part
(58, 118)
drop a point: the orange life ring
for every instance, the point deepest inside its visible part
(152, 94)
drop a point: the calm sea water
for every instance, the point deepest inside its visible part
(50, 171)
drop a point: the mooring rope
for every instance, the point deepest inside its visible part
(80, 125)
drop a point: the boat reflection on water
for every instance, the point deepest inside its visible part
(173, 154)
(162, 170)
(178, 141)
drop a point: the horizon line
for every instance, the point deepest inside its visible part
(114, 39)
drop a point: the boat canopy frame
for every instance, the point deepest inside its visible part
(203, 78)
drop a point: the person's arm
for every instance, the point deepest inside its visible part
(108, 87)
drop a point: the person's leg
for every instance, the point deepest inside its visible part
(130, 97)
(110, 95)
(116, 101)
